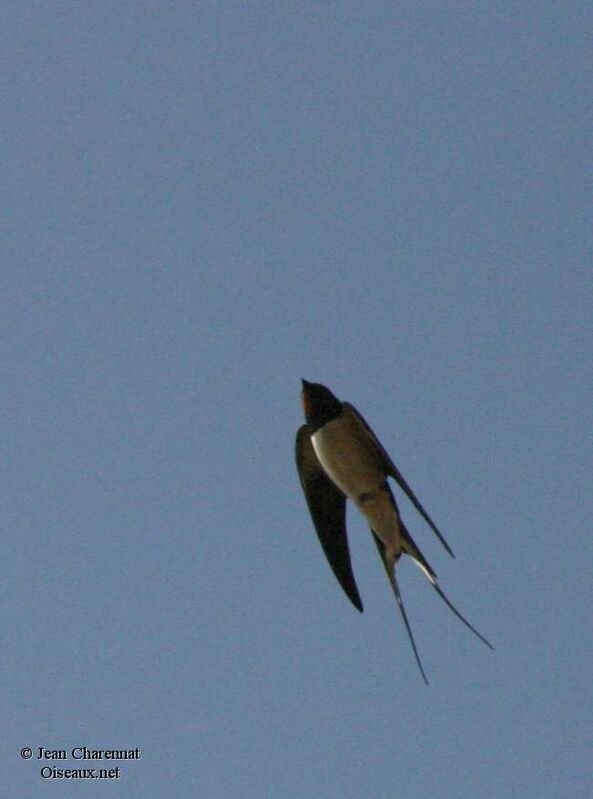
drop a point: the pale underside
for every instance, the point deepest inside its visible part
(343, 450)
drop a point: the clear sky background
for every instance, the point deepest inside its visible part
(204, 202)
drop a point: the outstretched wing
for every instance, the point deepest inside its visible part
(327, 506)
(391, 469)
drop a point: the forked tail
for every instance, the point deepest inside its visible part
(412, 550)
(390, 571)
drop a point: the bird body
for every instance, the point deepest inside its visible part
(357, 472)
(339, 457)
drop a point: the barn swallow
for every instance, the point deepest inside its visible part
(339, 457)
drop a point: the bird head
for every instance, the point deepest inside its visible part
(319, 404)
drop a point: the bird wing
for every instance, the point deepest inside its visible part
(327, 506)
(391, 469)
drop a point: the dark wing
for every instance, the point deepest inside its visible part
(393, 471)
(327, 506)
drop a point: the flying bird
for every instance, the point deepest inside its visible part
(339, 457)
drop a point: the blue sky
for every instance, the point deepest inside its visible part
(203, 203)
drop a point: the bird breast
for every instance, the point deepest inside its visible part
(348, 461)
